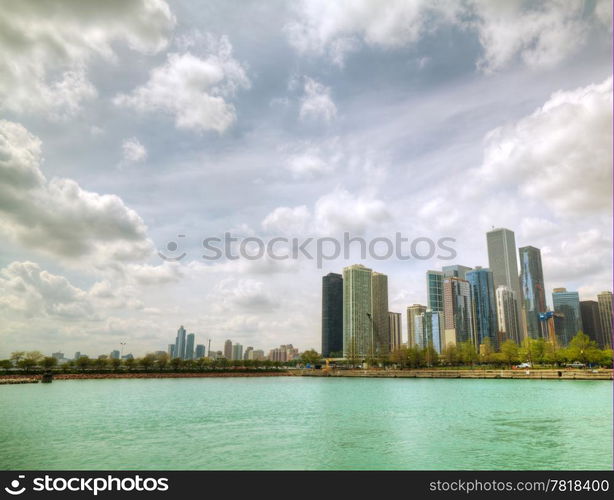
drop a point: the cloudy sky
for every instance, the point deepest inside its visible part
(127, 123)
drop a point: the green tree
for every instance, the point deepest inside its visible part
(130, 363)
(176, 364)
(450, 354)
(17, 356)
(30, 360)
(162, 360)
(6, 364)
(581, 348)
(486, 351)
(147, 361)
(49, 362)
(510, 352)
(415, 357)
(310, 356)
(83, 363)
(400, 357)
(430, 356)
(115, 363)
(101, 362)
(467, 354)
(552, 355)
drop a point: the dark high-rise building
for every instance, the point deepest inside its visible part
(591, 323)
(568, 305)
(605, 314)
(379, 312)
(189, 346)
(332, 314)
(532, 288)
(484, 305)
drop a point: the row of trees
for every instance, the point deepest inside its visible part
(35, 360)
(535, 351)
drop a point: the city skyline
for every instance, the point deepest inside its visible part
(124, 141)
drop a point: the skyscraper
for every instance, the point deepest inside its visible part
(249, 353)
(455, 271)
(413, 311)
(228, 349)
(394, 330)
(171, 351)
(379, 311)
(357, 320)
(180, 343)
(484, 305)
(332, 314)
(458, 312)
(507, 315)
(237, 352)
(591, 323)
(604, 299)
(434, 287)
(567, 304)
(427, 330)
(532, 288)
(189, 346)
(503, 264)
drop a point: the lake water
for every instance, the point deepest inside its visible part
(306, 423)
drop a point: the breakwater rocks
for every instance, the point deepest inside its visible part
(17, 379)
(562, 374)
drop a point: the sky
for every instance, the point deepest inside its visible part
(127, 123)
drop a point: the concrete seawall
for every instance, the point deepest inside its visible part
(562, 374)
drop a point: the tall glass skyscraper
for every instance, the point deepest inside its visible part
(532, 287)
(507, 315)
(484, 305)
(189, 346)
(458, 311)
(379, 311)
(428, 329)
(567, 304)
(434, 287)
(591, 323)
(358, 339)
(179, 351)
(504, 265)
(413, 311)
(332, 314)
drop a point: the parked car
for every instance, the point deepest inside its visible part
(524, 365)
(576, 364)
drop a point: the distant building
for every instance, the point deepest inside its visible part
(237, 352)
(332, 314)
(171, 351)
(189, 346)
(532, 288)
(58, 355)
(258, 355)
(507, 315)
(413, 311)
(458, 312)
(357, 320)
(128, 356)
(283, 353)
(604, 299)
(200, 351)
(394, 330)
(484, 305)
(114, 354)
(455, 271)
(248, 354)
(158, 353)
(228, 349)
(567, 304)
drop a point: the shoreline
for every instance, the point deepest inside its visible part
(545, 374)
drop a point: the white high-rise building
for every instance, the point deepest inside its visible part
(358, 341)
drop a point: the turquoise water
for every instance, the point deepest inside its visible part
(306, 423)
